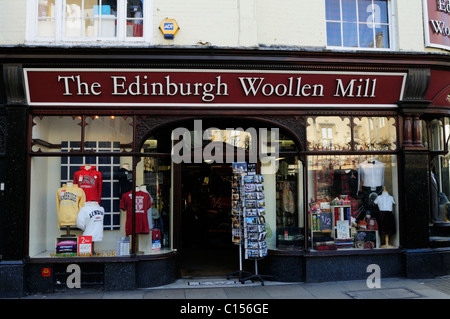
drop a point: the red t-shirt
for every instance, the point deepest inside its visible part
(143, 204)
(90, 180)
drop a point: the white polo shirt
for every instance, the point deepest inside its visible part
(385, 202)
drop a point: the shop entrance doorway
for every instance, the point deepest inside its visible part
(207, 248)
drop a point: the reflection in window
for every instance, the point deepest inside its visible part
(112, 128)
(54, 133)
(135, 18)
(46, 18)
(85, 18)
(357, 23)
(153, 176)
(375, 134)
(440, 178)
(328, 133)
(289, 204)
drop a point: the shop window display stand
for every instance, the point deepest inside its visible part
(239, 206)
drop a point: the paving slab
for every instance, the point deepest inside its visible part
(386, 293)
(246, 293)
(288, 292)
(206, 293)
(175, 293)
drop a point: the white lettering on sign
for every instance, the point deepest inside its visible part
(207, 91)
(362, 88)
(251, 86)
(82, 88)
(254, 86)
(443, 5)
(440, 26)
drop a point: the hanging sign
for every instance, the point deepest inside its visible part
(437, 23)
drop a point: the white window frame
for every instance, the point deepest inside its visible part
(391, 29)
(60, 38)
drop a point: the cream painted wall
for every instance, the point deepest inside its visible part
(409, 21)
(291, 23)
(208, 22)
(12, 22)
(237, 23)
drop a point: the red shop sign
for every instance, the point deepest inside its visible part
(437, 23)
(121, 87)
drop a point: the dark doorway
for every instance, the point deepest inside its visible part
(207, 248)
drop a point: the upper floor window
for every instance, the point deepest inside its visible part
(89, 20)
(358, 24)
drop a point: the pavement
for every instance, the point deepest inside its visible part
(216, 288)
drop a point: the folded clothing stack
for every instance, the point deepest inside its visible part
(66, 246)
(344, 243)
(325, 245)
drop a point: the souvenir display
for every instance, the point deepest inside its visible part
(248, 210)
(353, 208)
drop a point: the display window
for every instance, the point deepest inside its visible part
(353, 202)
(289, 203)
(438, 141)
(352, 199)
(82, 194)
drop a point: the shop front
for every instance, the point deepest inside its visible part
(129, 171)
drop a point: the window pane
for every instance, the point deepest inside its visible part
(375, 134)
(91, 18)
(381, 11)
(382, 36)
(104, 15)
(56, 134)
(440, 185)
(46, 19)
(153, 177)
(135, 18)
(74, 18)
(365, 11)
(328, 133)
(349, 10)
(288, 203)
(333, 34)
(366, 39)
(350, 35)
(333, 11)
(116, 129)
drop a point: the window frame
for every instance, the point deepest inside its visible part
(59, 37)
(391, 25)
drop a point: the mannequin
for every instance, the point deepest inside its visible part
(370, 183)
(386, 217)
(142, 204)
(90, 220)
(90, 180)
(69, 200)
(125, 176)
